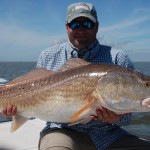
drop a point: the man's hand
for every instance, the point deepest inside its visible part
(106, 115)
(9, 111)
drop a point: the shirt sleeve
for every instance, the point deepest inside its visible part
(40, 61)
(122, 59)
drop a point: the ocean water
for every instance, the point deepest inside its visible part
(140, 124)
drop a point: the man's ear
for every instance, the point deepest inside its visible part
(66, 24)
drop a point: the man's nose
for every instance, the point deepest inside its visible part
(81, 29)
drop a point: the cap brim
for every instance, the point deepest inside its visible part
(69, 19)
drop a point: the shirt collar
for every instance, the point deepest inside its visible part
(86, 54)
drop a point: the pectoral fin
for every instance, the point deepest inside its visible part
(82, 110)
(83, 121)
(17, 122)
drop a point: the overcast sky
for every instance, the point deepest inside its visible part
(29, 26)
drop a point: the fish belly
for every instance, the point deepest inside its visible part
(60, 110)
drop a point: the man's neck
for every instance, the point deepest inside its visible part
(77, 49)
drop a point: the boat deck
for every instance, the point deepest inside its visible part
(25, 138)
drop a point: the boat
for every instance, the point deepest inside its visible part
(25, 138)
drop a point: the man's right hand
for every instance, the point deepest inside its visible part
(9, 111)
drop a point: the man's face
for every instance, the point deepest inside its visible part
(81, 37)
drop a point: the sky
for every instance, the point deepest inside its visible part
(29, 26)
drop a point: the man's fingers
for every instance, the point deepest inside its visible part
(94, 117)
(14, 110)
(100, 115)
(114, 116)
(106, 115)
(4, 112)
(9, 111)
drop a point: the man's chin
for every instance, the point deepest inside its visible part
(81, 41)
(81, 46)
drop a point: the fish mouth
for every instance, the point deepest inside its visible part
(146, 102)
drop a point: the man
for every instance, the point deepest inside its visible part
(104, 131)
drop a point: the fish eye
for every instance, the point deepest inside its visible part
(147, 84)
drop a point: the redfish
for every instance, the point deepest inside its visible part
(72, 94)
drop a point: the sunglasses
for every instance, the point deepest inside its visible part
(87, 24)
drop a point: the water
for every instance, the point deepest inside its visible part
(10, 70)
(140, 121)
(143, 67)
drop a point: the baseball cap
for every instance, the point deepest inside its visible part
(81, 9)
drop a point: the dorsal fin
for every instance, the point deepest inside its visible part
(73, 63)
(35, 74)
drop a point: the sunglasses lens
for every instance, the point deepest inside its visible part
(74, 25)
(87, 24)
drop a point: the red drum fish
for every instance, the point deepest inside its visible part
(72, 94)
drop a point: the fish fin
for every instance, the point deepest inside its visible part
(73, 63)
(87, 106)
(17, 122)
(146, 102)
(74, 123)
(83, 121)
(31, 76)
(86, 120)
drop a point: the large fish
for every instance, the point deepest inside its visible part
(72, 94)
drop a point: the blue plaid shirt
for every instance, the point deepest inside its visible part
(103, 134)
